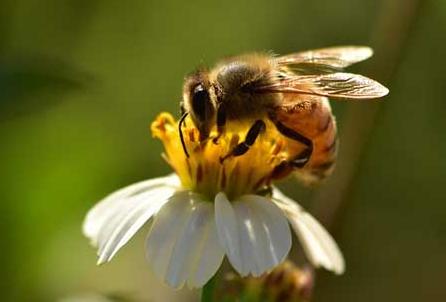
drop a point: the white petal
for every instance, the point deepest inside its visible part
(253, 231)
(110, 205)
(182, 246)
(112, 222)
(319, 246)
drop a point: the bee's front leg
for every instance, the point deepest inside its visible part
(221, 122)
(180, 131)
(243, 147)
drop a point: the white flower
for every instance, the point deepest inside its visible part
(207, 210)
(189, 235)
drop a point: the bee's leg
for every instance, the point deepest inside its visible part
(302, 158)
(180, 131)
(282, 170)
(253, 132)
(221, 122)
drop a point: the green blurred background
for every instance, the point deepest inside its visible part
(81, 80)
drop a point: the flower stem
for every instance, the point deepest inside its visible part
(207, 293)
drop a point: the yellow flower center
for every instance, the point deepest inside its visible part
(204, 171)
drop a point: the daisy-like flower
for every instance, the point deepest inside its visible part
(208, 209)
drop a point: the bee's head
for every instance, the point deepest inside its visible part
(198, 101)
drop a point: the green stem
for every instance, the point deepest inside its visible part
(207, 293)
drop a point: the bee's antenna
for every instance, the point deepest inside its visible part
(180, 131)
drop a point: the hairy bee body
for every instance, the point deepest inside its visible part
(290, 91)
(308, 115)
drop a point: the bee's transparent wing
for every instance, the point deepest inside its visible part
(332, 58)
(336, 85)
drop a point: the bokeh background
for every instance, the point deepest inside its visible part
(81, 80)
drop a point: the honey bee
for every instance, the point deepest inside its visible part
(291, 91)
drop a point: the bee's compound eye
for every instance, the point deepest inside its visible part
(200, 101)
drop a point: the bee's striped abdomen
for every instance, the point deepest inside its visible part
(312, 118)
